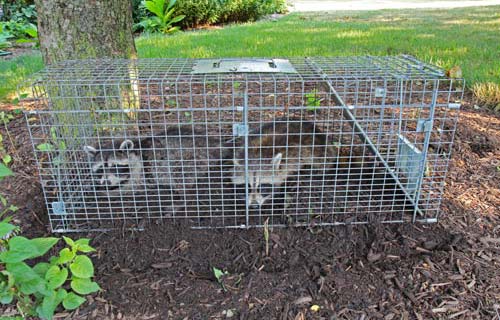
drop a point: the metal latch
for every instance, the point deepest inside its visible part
(379, 92)
(234, 65)
(59, 208)
(240, 130)
(424, 125)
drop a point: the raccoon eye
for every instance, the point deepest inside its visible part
(121, 168)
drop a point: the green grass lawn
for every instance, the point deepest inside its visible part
(467, 37)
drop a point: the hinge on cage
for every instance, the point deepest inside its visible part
(379, 92)
(454, 105)
(59, 208)
(240, 129)
(424, 125)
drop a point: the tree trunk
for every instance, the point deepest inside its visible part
(78, 29)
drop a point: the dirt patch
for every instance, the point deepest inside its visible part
(447, 270)
(19, 50)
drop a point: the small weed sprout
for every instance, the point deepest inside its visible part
(312, 100)
(219, 274)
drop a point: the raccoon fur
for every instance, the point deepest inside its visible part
(276, 152)
(280, 151)
(175, 160)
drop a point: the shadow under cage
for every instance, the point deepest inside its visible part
(242, 142)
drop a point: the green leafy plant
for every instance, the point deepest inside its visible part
(312, 100)
(5, 37)
(163, 20)
(21, 31)
(19, 10)
(40, 289)
(5, 118)
(219, 275)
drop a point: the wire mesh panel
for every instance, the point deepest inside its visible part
(242, 142)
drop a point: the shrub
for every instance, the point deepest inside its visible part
(19, 11)
(199, 12)
(163, 18)
(206, 12)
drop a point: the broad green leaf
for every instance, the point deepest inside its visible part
(69, 241)
(6, 297)
(30, 282)
(65, 256)
(46, 147)
(48, 306)
(20, 248)
(6, 229)
(155, 6)
(7, 159)
(33, 286)
(5, 171)
(56, 277)
(177, 19)
(72, 301)
(84, 286)
(21, 272)
(44, 244)
(85, 248)
(82, 267)
(82, 241)
(61, 295)
(41, 268)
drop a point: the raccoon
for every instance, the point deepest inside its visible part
(177, 160)
(277, 151)
(117, 169)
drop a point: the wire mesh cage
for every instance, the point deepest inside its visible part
(243, 142)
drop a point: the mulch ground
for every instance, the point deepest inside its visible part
(448, 270)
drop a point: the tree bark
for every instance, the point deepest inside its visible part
(79, 29)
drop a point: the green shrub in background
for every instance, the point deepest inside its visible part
(19, 20)
(207, 12)
(249, 10)
(199, 12)
(163, 18)
(19, 11)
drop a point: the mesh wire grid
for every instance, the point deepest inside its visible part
(325, 141)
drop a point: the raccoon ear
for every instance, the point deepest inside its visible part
(91, 151)
(236, 162)
(127, 145)
(276, 161)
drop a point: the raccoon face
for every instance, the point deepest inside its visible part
(264, 177)
(114, 169)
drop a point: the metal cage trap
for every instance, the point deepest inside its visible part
(243, 142)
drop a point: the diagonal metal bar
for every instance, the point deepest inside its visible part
(361, 132)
